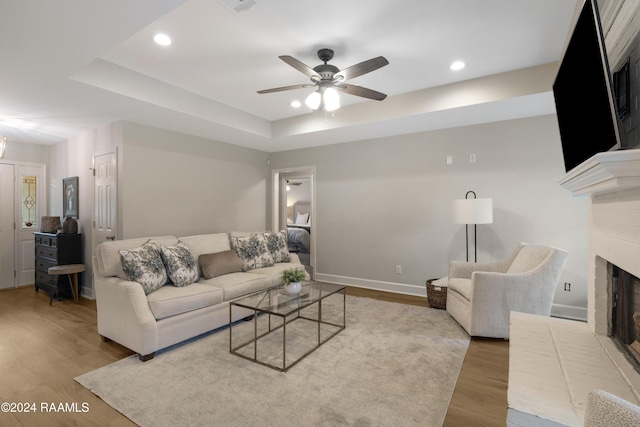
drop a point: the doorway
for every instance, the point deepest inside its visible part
(22, 198)
(294, 209)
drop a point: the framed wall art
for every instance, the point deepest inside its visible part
(70, 197)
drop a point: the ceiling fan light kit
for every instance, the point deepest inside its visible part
(329, 80)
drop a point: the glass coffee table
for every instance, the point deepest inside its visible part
(287, 328)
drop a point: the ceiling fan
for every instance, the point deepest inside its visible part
(329, 78)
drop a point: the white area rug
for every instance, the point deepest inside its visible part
(394, 365)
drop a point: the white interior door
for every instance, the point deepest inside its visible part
(7, 231)
(30, 202)
(105, 213)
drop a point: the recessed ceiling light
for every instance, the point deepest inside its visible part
(162, 39)
(458, 65)
(296, 104)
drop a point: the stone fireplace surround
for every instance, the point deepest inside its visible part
(569, 358)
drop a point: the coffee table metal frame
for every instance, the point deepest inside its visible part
(259, 303)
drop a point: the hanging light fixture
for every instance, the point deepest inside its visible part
(3, 145)
(325, 98)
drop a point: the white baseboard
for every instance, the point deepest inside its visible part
(569, 312)
(557, 310)
(398, 288)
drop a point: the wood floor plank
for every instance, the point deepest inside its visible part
(43, 347)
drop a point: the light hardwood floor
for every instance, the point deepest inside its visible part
(42, 348)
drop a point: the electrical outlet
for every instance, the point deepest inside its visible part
(567, 286)
(399, 269)
(449, 159)
(472, 158)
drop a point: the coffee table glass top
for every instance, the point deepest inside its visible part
(277, 301)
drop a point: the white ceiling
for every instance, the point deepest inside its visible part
(70, 66)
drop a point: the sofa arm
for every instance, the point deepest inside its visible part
(124, 315)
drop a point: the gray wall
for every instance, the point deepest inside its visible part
(169, 183)
(177, 184)
(387, 202)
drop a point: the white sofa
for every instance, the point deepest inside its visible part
(480, 297)
(169, 315)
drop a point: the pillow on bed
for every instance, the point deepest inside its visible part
(302, 218)
(219, 263)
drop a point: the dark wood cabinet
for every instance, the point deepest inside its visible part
(57, 249)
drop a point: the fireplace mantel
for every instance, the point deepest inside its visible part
(604, 173)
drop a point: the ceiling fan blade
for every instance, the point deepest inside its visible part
(304, 69)
(361, 91)
(280, 89)
(361, 68)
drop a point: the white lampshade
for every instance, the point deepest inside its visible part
(313, 100)
(3, 145)
(473, 211)
(331, 99)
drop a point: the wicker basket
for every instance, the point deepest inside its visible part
(436, 295)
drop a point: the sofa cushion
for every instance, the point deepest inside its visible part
(144, 265)
(180, 265)
(219, 263)
(108, 257)
(253, 251)
(528, 258)
(461, 286)
(206, 244)
(235, 285)
(277, 243)
(170, 301)
(274, 272)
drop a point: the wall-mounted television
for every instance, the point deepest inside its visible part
(583, 93)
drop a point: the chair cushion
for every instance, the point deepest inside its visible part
(275, 271)
(170, 301)
(528, 258)
(461, 286)
(235, 285)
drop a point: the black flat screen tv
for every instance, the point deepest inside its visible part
(583, 93)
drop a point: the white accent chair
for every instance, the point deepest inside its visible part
(481, 296)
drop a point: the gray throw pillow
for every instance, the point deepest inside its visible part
(144, 265)
(219, 263)
(181, 266)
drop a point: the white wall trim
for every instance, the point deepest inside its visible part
(571, 312)
(398, 288)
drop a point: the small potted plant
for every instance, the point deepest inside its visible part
(291, 278)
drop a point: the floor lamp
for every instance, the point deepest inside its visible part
(472, 211)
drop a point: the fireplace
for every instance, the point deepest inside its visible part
(612, 182)
(624, 294)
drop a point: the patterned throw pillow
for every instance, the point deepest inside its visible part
(277, 243)
(181, 266)
(253, 251)
(144, 265)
